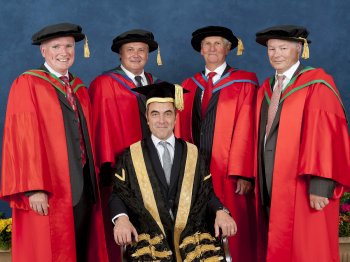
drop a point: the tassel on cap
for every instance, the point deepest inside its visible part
(86, 48)
(159, 59)
(240, 47)
(306, 51)
(179, 99)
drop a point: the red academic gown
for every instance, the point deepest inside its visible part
(116, 125)
(232, 147)
(35, 158)
(312, 139)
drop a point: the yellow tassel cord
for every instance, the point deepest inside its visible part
(86, 48)
(306, 50)
(159, 59)
(240, 47)
(179, 97)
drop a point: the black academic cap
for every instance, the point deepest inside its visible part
(58, 30)
(284, 32)
(163, 92)
(135, 35)
(201, 33)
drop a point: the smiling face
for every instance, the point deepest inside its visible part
(134, 56)
(283, 54)
(161, 119)
(59, 53)
(214, 49)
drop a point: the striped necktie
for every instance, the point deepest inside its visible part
(275, 99)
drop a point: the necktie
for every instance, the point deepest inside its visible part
(275, 99)
(138, 80)
(207, 93)
(73, 103)
(166, 161)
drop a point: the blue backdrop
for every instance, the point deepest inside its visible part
(172, 23)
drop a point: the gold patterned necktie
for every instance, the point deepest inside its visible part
(275, 99)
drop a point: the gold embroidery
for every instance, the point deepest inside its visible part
(144, 182)
(197, 253)
(207, 177)
(153, 241)
(185, 196)
(151, 250)
(122, 177)
(213, 259)
(196, 239)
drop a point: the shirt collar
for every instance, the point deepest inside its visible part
(131, 75)
(170, 140)
(55, 72)
(290, 72)
(219, 70)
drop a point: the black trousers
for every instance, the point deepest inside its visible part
(82, 219)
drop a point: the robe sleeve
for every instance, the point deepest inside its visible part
(106, 120)
(325, 150)
(242, 143)
(24, 158)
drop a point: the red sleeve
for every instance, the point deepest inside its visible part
(242, 143)
(325, 146)
(105, 120)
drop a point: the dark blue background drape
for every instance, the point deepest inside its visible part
(172, 23)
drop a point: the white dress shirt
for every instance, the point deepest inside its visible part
(132, 76)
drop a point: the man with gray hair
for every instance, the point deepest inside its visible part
(303, 161)
(218, 118)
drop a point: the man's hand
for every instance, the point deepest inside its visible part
(226, 223)
(318, 202)
(124, 230)
(39, 203)
(243, 186)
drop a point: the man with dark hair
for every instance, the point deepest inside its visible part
(163, 200)
(303, 154)
(48, 170)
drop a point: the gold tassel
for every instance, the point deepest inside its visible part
(179, 100)
(86, 48)
(306, 51)
(159, 59)
(240, 47)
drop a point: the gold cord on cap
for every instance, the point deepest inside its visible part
(306, 50)
(86, 48)
(179, 99)
(240, 47)
(159, 59)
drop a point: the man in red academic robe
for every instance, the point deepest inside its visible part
(303, 154)
(223, 130)
(118, 112)
(48, 172)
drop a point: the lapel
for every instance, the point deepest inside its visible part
(158, 169)
(278, 113)
(61, 97)
(175, 169)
